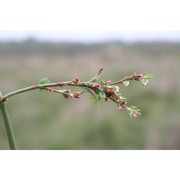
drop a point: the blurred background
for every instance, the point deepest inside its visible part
(48, 121)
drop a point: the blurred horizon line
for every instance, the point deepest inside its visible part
(31, 39)
(90, 36)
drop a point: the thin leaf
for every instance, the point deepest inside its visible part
(94, 96)
(133, 107)
(44, 81)
(148, 76)
(102, 94)
(96, 77)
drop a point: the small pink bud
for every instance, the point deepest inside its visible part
(108, 82)
(118, 100)
(112, 92)
(75, 80)
(93, 85)
(124, 103)
(98, 85)
(66, 96)
(76, 95)
(107, 90)
(50, 89)
(138, 76)
(106, 99)
(67, 91)
(119, 107)
(134, 115)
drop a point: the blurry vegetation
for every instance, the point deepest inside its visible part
(47, 121)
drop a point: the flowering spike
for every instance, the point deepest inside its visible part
(103, 90)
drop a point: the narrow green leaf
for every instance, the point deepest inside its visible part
(126, 83)
(95, 80)
(133, 107)
(94, 96)
(122, 98)
(138, 113)
(44, 81)
(96, 77)
(148, 76)
(102, 94)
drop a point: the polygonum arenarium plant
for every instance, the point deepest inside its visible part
(99, 90)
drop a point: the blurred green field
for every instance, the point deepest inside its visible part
(48, 121)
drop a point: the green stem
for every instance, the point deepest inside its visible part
(40, 86)
(8, 126)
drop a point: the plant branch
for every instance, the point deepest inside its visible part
(41, 86)
(126, 78)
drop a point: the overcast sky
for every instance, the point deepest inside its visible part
(90, 20)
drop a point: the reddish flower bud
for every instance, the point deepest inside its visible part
(75, 80)
(98, 85)
(106, 99)
(66, 96)
(50, 89)
(67, 91)
(124, 103)
(138, 76)
(108, 82)
(107, 90)
(119, 107)
(93, 85)
(112, 92)
(134, 115)
(76, 95)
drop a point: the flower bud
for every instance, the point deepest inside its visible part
(112, 92)
(119, 107)
(50, 89)
(108, 82)
(107, 90)
(76, 95)
(66, 96)
(75, 80)
(67, 91)
(95, 85)
(134, 115)
(106, 99)
(124, 103)
(138, 76)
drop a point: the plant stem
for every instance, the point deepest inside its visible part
(127, 78)
(8, 126)
(40, 86)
